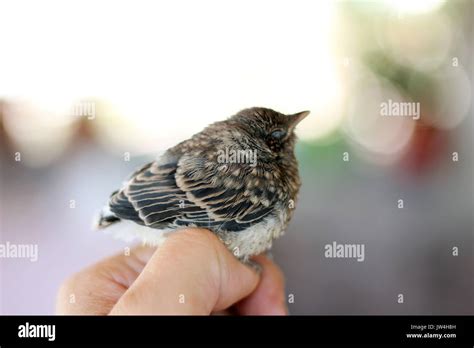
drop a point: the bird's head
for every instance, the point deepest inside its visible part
(269, 129)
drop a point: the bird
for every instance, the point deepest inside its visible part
(237, 178)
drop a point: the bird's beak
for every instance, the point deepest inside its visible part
(297, 118)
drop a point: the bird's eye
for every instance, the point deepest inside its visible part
(278, 134)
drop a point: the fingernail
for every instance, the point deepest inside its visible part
(255, 266)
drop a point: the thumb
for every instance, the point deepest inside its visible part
(191, 273)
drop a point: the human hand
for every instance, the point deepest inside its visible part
(191, 273)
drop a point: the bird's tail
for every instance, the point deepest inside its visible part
(105, 218)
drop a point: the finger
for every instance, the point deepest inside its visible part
(96, 289)
(269, 297)
(191, 273)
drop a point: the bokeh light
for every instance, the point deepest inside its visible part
(414, 6)
(141, 64)
(156, 81)
(380, 139)
(422, 42)
(39, 131)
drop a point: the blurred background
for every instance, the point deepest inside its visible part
(89, 91)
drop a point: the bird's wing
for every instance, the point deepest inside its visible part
(151, 196)
(234, 195)
(192, 191)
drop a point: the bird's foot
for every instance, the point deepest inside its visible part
(254, 265)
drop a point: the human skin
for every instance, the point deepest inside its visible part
(192, 273)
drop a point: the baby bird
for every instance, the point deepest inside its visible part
(237, 178)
